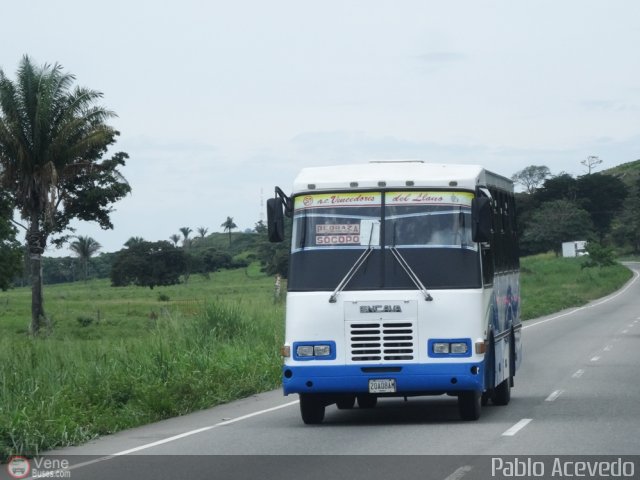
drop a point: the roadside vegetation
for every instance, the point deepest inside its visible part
(122, 357)
(550, 284)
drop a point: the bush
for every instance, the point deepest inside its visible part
(599, 256)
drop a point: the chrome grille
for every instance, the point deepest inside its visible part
(381, 341)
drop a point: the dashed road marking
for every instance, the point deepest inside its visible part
(578, 374)
(554, 396)
(595, 359)
(517, 427)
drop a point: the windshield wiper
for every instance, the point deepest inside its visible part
(354, 269)
(412, 275)
(407, 269)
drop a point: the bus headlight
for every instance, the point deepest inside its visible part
(449, 347)
(441, 348)
(459, 348)
(318, 350)
(321, 350)
(304, 350)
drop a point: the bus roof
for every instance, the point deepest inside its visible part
(400, 174)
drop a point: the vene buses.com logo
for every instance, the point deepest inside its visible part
(18, 467)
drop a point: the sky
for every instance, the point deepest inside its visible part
(219, 101)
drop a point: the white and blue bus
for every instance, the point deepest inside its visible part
(403, 281)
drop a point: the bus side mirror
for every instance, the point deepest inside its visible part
(481, 219)
(275, 220)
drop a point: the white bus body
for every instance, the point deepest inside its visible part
(389, 294)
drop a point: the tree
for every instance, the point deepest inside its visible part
(591, 162)
(148, 264)
(186, 231)
(133, 241)
(626, 230)
(175, 238)
(560, 187)
(10, 249)
(602, 196)
(556, 222)
(260, 228)
(228, 226)
(202, 231)
(531, 177)
(85, 248)
(52, 140)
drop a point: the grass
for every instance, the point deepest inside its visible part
(119, 358)
(122, 357)
(549, 284)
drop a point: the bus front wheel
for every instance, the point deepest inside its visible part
(311, 409)
(469, 405)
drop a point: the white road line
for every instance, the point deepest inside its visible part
(578, 374)
(459, 473)
(183, 435)
(554, 396)
(579, 309)
(595, 359)
(608, 348)
(625, 331)
(517, 427)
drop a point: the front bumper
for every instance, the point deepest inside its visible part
(410, 379)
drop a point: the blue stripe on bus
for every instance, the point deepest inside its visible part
(421, 378)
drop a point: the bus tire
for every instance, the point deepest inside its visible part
(346, 403)
(367, 401)
(470, 405)
(311, 409)
(502, 393)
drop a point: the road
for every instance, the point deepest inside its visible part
(576, 394)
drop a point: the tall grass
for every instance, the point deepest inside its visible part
(550, 284)
(65, 390)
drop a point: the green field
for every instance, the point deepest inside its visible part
(121, 357)
(550, 284)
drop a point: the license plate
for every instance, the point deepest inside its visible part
(382, 385)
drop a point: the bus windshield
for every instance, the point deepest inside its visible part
(432, 230)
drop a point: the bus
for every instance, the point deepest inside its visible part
(403, 281)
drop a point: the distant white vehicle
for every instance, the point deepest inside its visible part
(577, 248)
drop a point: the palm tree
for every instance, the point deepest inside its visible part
(51, 139)
(202, 231)
(228, 226)
(85, 248)
(185, 232)
(133, 241)
(175, 238)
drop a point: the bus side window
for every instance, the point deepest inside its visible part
(487, 266)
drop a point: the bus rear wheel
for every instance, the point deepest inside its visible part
(502, 393)
(311, 409)
(470, 405)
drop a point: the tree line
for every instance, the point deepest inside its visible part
(601, 207)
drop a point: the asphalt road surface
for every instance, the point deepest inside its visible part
(577, 393)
